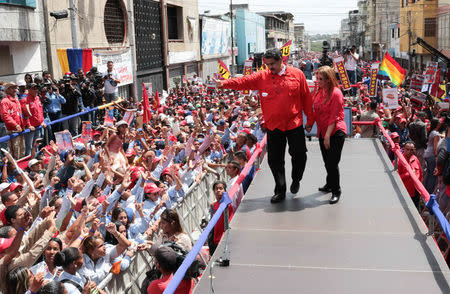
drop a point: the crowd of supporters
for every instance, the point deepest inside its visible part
(70, 217)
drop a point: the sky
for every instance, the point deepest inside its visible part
(319, 16)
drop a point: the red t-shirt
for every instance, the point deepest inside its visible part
(406, 178)
(158, 286)
(330, 112)
(219, 228)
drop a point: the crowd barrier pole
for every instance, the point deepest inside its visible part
(226, 200)
(430, 201)
(88, 109)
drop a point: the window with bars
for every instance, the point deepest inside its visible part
(430, 27)
(115, 22)
(175, 22)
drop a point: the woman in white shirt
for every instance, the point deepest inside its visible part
(47, 266)
(97, 259)
(71, 261)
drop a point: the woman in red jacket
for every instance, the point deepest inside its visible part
(328, 105)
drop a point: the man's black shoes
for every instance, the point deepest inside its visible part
(335, 197)
(325, 189)
(278, 198)
(295, 186)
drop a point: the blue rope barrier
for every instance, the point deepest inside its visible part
(179, 275)
(13, 135)
(433, 207)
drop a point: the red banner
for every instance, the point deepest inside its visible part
(248, 70)
(224, 73)
(286, 51)
(373, 80)
(339, 64)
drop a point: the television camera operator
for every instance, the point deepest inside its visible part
(74, 102)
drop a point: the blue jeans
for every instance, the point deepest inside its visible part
(3, 132)
(352, 77)
(29, 140)
(430, 178)
(110, 97)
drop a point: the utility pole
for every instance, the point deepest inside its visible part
(130, 34)
(232, 38)
(409, 44)
(73, 24)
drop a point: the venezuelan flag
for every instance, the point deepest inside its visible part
(72, 59)
(391, 68)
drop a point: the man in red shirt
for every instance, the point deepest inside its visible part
(414, 163)
(34, 115)
(12, 116)
(284, 95)
(166, 263)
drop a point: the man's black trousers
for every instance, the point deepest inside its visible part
(276, 149)
(331, 158)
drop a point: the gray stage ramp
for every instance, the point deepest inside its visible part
(372, 241)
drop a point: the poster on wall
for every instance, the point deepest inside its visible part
(215, 36)
(122, 64)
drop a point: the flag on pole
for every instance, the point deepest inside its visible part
(286, 51)
(147, 115)
(373, 80)
(248, 69)
(391, 68)
(224, 73)
(156, 101)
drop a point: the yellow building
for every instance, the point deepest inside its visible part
(417, 19)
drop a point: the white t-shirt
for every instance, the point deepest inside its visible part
(110, 89)
(350, 64)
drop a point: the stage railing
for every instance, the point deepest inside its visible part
(226, 200)
(430, 200)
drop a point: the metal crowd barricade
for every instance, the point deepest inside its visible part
(192, 210)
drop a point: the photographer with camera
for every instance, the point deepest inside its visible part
(350, 62)
(52, 104)
(74, 103)
(111, 79)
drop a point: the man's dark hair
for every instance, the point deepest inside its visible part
(53, 287)
(45, 72)
(235, 164)
(373, 105)
(110, 61)
(11, 212)
(5, 197)
(4, 231)
(273, 53)
(241, 155)
(421, 114)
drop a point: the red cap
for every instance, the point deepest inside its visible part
(79, 204)
(95, 133)
(131, 152)
(394, 135)
(5, 243)
(166, 171)
(14, 186)
(151, 188)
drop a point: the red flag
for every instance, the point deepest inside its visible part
(286, 51)
(436, 90)
(156, 101)
(147, 114)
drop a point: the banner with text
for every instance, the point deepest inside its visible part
(373, 80)
(122, 64)
(339, 64)
(390, 98)
(286, 51)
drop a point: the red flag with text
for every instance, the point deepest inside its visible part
(224, 73)
(286, 51)
(339, 65)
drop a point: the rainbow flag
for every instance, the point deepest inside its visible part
(392, 69)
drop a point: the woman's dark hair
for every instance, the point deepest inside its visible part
(109, 238)
(273, 53)
(89, 244)
(115, 214)
(17, 281)
(433, 125)
(53, 287)
(219, 183)
(93, 189)
(241, 155)
(170, 215)
(65, 257)
(252, 138)
(57, 240)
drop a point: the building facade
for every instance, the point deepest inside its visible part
(22, 39)
(250, 34)
(181, 29)
(443, 24)
(279, 28)
(417, 20)
(299, 36)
